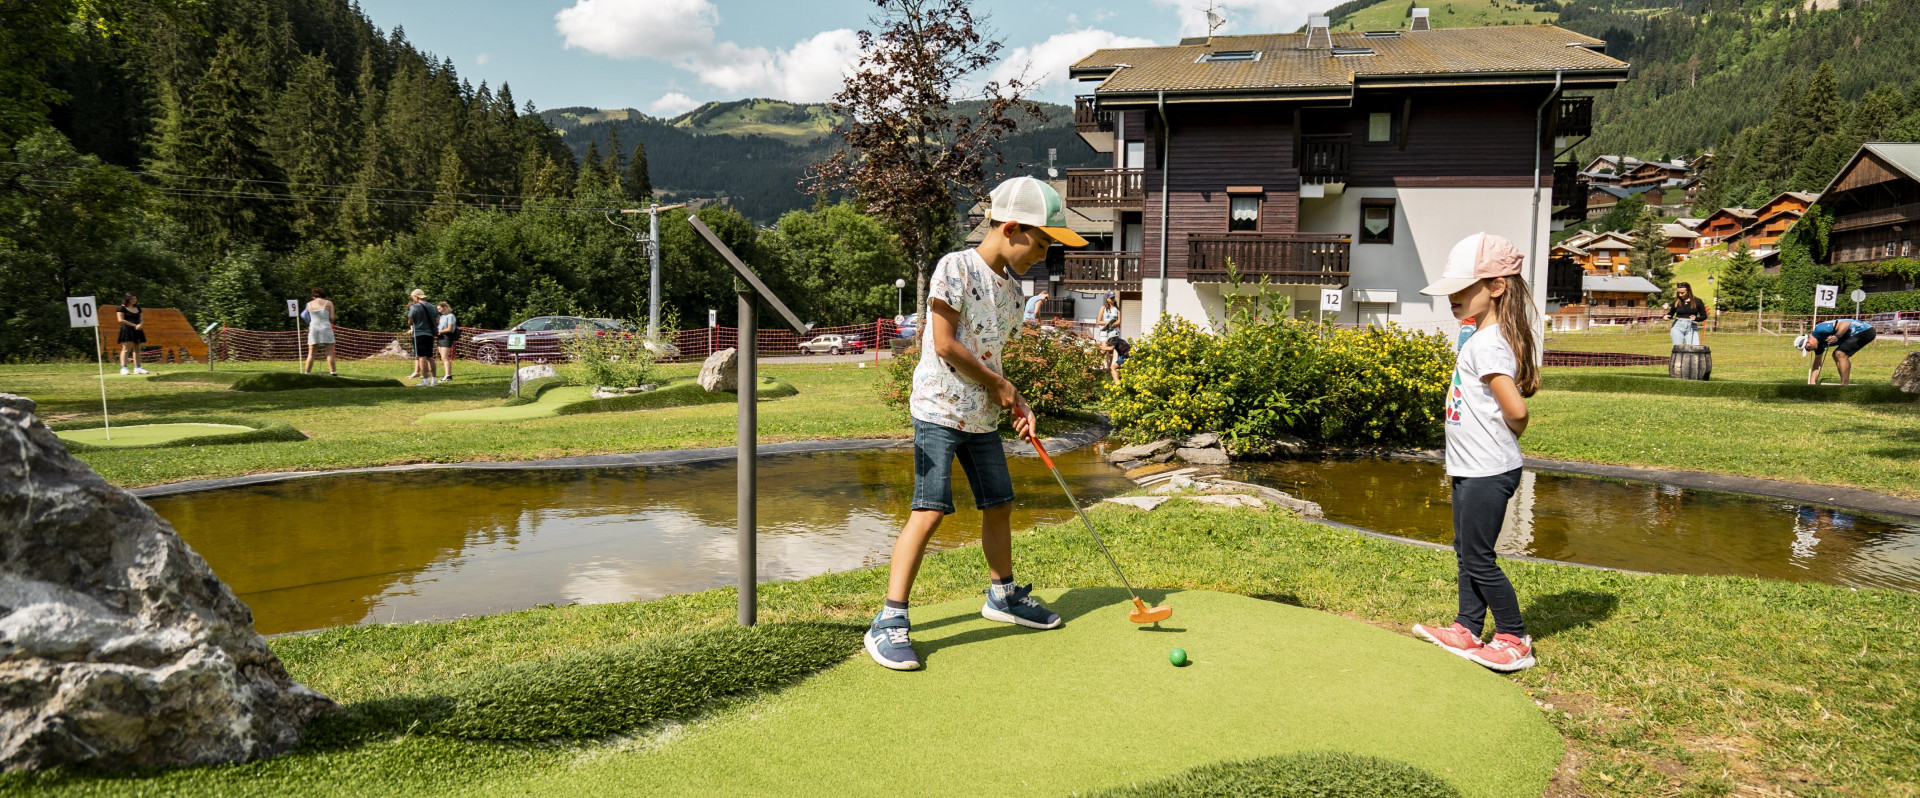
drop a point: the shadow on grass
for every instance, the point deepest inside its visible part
(1073, 604)
(1554, 613)
(1904, 443)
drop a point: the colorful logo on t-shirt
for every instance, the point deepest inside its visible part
(1456, 401)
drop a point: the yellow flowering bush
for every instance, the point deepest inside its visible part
(1265, 377)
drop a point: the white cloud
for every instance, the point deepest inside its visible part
(481, 59)
(1244, 16)
(672, 104)
(1045, 64)
(681, 33)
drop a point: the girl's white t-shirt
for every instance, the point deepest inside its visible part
(1479, 444)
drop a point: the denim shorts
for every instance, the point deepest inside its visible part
(981, 456)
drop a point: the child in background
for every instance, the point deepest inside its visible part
(1485, 414)
(959, 392)
(446, 334)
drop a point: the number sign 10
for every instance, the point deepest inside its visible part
(82, 312)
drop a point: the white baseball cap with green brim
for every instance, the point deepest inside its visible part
(1035, 204)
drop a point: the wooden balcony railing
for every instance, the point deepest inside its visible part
(1089, 119)
(1897, 214)
(1289, 258)
(1106, 188)
(1324, 158)
(1569, 192)
(1575, 117)
(1102, 271)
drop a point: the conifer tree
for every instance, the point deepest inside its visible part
(223, 148)
(1650, 258)
(308, 131)
(1740, 282)
(639, 184)
(615, 163)
(451, 190)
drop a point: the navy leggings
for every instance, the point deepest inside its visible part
(1479, 508)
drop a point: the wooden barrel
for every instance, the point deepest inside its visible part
(1690, 362)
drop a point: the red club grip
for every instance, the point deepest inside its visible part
(1042, 450)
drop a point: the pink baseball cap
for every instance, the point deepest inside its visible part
(1476, 258)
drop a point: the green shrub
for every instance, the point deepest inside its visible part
(615, 360)
(1312, 775)
(1891, 301)
(1264, 378)
(261, 429)
(1057, 372)
(597, 693)
(295, 381)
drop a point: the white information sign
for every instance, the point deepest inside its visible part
(81, 312)
(1858, 296)
(517, 342)
(293, 308)
(1826, 296)
(713, 317)
(1331, 299)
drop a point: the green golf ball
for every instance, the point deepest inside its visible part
(1178, 657)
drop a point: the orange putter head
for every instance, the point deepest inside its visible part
(1141, 614)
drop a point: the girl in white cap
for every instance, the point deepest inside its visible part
(1486, 413)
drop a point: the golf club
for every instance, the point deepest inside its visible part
(1140, 614)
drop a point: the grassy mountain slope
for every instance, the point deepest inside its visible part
(1393, 14)
(756, 151)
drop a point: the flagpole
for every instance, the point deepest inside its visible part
(100, 361)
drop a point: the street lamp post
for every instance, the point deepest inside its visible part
(899, 289)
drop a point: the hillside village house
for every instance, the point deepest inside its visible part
(1597, 253)
(1875, 202)
(1314, 160)
(1723, 223)
(1771, 220)
(1681, 239)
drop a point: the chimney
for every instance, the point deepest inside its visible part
(1420, 20)
(1318, 37)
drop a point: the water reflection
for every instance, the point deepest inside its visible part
(1635, 525)
(392, 547)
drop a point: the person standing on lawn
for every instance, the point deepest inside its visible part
(320, 331)
(446, 334)
(133, 332)
(1485, 414)
(1686, 311)
(1846, 336)
(973, 307)
(422, 321)
(1033, 306)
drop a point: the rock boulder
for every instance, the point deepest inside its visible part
(1140, 452)
(1906, 376)
(1203, 456)
(119, 648)
(1201, 441)
(721, 372)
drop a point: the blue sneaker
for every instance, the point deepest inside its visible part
(1019, 608)
(888, 644)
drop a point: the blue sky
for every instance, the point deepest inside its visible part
(667, 56)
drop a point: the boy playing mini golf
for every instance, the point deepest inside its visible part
(974, 305)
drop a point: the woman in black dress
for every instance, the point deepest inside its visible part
(132, 333)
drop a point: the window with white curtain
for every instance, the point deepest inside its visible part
(1243, 214)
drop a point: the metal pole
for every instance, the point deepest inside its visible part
(745, 453)
(653, 281)
(100, 361)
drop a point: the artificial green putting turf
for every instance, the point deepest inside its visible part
(1095, 705)
(148, 434)
(568, 400)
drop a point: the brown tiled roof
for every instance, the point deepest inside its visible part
(1472, 54)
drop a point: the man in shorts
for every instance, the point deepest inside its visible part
(1846, 336)
(423, 320)
(973, 306)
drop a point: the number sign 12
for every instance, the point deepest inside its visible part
(1330, 299)
(82, 312)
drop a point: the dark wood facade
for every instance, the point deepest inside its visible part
(1441, 139)
(1876, 217)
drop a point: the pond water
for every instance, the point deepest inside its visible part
(406, 546)
(1640, 526)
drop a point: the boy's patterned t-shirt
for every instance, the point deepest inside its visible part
(990, 307)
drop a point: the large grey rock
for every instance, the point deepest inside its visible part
(1202, 456)
(1201, 441)
(526, 374)
(1140, 452)
(19, 403)
(721, 372)
(1906, 376)
(1270, 495)
(1137, 502)
(118, 646)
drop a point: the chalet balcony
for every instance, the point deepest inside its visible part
(1101, 271)
(1569, 192)
(1285, 259)
(1325, 158)
(1095, 126)
(1106, 188)
(1898, 214)
(1572, 123)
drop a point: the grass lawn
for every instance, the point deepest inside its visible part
(566, 400)
(1871, 446)
(377, 426)
(148, 434)
(1455, 14)
(1660, 685)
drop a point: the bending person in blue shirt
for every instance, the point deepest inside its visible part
(1846, 336)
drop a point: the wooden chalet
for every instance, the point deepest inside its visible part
(1875, 202)
(1322, 159)
(1724, 223)
(1681, 239)
(1599, 253)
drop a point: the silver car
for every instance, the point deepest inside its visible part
(832, 344)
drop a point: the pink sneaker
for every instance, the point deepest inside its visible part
(1456, 638)
(1506, 653)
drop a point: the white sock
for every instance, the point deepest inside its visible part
(893, 612)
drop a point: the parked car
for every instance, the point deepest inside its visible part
(1906, 322)
(832, 344)
(908, 329)
(546, 338)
